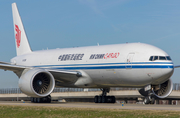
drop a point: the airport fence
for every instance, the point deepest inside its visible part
(176, 87)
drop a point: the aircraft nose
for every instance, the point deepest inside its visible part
(168, 71)
(163, 74)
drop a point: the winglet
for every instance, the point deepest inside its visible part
(22, 44)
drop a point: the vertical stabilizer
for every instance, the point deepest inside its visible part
(21, 41)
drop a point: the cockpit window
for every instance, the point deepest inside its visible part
(162, 58)
(168, 57)
(153, 58)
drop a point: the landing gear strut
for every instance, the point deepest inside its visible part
(103, 98)
(46, 99)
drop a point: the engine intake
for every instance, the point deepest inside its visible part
(164, 90)
(37, 83)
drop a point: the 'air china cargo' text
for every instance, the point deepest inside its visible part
(105, 56)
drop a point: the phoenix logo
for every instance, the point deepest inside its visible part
(18, 35)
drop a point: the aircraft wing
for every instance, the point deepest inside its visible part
(177, 66)
(65, 72)
(65, 76)
(59, 75)
(11, 67)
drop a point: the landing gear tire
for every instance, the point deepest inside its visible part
(104, 99)
(99, 99)
(39, 100)
(149, 100)
(96, 99)
(35, 100)
(32, 99)
(108, 99)
(113, 99)
(146, 100)
(152, 100)
(46, 99)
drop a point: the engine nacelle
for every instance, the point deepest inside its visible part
(163, 90)
(36, 83)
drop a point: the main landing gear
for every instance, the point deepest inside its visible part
(103, 98)
(46, 99)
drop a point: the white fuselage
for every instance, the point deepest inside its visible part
(125, 65)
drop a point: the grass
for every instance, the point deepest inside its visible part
(61, 112)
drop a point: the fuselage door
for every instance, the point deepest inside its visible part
(129, 60)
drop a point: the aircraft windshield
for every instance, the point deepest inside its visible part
(153, 58)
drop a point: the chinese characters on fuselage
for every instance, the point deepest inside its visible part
(66, 57)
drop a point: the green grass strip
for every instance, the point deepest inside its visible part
(61, 112)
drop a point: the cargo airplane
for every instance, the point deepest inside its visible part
(134, 65)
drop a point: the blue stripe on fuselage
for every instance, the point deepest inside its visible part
(133, 65)
(116, 67)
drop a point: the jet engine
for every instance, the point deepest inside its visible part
(36, 82)
(161, 91)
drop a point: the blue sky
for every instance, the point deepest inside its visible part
(71, 23)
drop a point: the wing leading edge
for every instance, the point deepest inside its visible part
(59, 75)
(8, 66)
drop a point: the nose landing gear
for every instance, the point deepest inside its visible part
(149, 100)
